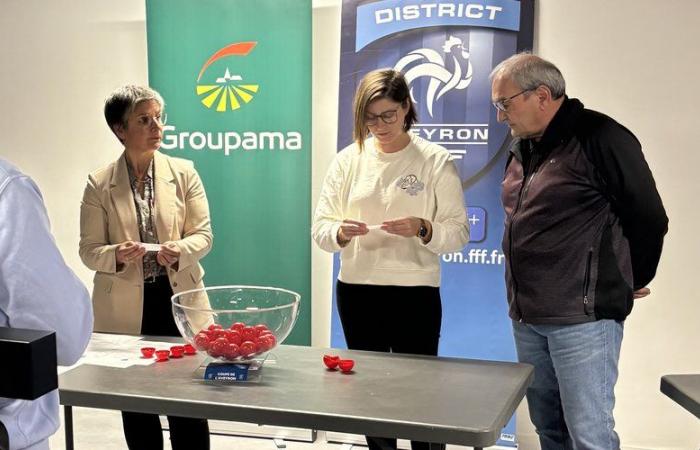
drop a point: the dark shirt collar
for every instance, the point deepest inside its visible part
(558, 131)
(561, 127)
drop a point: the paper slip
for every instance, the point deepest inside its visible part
(151, 247)
(120, 351)
(374, 227)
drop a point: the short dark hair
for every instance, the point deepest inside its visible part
(121, 103)
(382, 83)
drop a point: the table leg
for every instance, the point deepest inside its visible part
(68, 419)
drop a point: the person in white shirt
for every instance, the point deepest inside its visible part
(391, 202)
(38, 291)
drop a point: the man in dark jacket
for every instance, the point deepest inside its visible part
(583, 235)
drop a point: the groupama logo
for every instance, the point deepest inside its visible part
(228, 91)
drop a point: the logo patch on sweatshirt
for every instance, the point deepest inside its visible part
(410, 184)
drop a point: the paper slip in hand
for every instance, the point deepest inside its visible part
(151, 247)
(374, 227)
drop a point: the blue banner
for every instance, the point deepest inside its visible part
(447, 50)
(379, 19)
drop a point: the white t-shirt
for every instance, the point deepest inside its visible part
(371, 186)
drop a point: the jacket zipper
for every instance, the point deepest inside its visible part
(523, 192)
(586, 279)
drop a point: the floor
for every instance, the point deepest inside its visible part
(102, 429)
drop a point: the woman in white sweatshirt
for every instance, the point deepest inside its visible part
(390, 204)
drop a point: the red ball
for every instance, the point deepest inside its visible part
(176, 351)
(247, 348)
(201, 341)
(238, 326)
(216, 334)
(249, 333)
(234, 337)
(231, 351)
(261, 328)
(218, 347)
(346, 365)
(261, 345)
(190, 350)
(331, 361)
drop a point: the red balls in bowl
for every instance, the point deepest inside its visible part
(235, 323)
(239, 342)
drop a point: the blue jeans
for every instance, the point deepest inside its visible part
(572, 396)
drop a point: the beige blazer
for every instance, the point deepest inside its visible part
(108, 218)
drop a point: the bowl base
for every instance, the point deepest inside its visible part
(214, 371)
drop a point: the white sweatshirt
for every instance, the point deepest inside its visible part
(371, 186)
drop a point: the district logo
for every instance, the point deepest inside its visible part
(228, 92)
(410, 184)
(444, 75)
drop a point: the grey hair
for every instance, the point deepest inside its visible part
(530, 72)
(122, 102)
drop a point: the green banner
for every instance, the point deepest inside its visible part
(236, 79)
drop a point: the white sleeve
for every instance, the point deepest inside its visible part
(37, 289)
(329, 210)
(450, 225)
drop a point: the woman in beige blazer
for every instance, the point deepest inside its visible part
(144, 197)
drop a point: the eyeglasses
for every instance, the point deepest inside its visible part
(388, 117)
(146, 120)
(502, 105)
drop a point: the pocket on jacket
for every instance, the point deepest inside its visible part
(197, 274)
(103, 284)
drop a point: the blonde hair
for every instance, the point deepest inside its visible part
(382, 83)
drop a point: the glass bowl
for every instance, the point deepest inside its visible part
(235, 323)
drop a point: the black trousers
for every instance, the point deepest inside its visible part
(397, 319)
(143, 431)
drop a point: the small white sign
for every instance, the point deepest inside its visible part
(151, 247)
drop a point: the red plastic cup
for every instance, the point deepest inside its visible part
(331, 361)
(176, 351)
(190, 350)
(162, 355)
(147, 352)
(346, 365)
